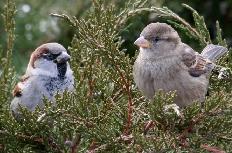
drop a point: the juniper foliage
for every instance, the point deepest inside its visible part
(106, 113)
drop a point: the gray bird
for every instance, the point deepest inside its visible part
(48, 73)
(164, 62)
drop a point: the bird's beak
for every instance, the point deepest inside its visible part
(142, 42)
(62, 58)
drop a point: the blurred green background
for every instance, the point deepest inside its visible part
(34, 26)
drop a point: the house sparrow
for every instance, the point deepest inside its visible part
(48, 73)
(164, 62)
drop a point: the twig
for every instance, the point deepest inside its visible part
(76, 141)
(189, 129)
(64, 16)
(126, 86)
(224, 137)
(40, 140)
(193, 122)
(116, 95)
(147, 126)
(212, 149)
(91, 85)
(94, 148)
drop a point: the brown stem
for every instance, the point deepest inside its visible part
(189, 129)
(76, 143)
(212, 149)
(90, 83)
(130, 101)
(40, 140)
(130, 111)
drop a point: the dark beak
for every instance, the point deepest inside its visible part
(142, 42)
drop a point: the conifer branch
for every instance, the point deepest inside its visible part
(219, 38)
(7, 79)
(9, 22)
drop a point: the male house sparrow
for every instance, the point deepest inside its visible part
(48, 73)
(164, 62)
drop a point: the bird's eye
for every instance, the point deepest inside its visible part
(156, 39)
(50, 56)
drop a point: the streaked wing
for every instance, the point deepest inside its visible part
(201, 66)
(197, 64)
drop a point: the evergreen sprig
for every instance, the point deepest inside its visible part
(219, 38)
(7, 79)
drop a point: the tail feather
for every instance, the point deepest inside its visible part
(213, 52)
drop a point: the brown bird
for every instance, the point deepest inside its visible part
(164, 62)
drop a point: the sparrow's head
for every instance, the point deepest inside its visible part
(51, 57)
(158, 37)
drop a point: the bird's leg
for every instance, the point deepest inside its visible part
(207, 93)
(202, 106)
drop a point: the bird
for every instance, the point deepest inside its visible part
(48, 73)
(166, 63)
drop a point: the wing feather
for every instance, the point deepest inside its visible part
(196, 63)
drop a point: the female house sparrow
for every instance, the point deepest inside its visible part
(164, 62)
(48, 73)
